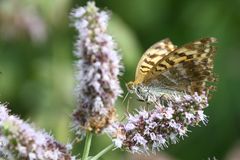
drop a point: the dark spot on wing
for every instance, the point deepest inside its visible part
(170, 62)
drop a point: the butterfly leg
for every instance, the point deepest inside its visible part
(141, 100)
(163, 99)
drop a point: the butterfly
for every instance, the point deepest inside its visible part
(165, 70)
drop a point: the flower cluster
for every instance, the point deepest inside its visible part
(97, 69)
(19, 140)
(156, 129)
(20, 20)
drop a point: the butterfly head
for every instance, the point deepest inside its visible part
(141, 91)
(131, 86)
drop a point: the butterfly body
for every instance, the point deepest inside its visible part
(165, 70)
(148, 93)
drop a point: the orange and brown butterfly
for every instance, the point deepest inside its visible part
(165, 69)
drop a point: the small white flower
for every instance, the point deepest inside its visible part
(118, 142)
(173, 124)
(157, 115)
(97, 104)
(32, 156)
(144, 114)
(147, 130)
(135, 149)
(129, 126)
(54, 155)
(3, 114)
(169, 113)
(103, 19)
(160, 139)
(189, 116)
(152, 125)
(197, 97)
(111, 129)
(82, 25)
(173, 138)
(79, 12)
(22, 149)
(133, 119)
(140, 139)
(177, 98)
(153, 136)
(182, 131)
(202, 117)
(69, 146)
(188, 97)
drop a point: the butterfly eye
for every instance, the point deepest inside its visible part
(130, 86)
(139, 89)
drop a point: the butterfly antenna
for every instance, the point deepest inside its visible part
(126, 109)
(124, 80)
(122, 118)
(128, 104)
(125, 97)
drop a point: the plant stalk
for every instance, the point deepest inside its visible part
(108, 148)
(87, 146)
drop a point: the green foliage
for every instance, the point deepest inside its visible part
(37, 76)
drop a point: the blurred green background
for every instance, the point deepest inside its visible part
(36, 64)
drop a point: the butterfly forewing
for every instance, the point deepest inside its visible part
(187, 68)
(152, 56)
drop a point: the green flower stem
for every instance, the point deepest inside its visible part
(103, 152)
(87, 146)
